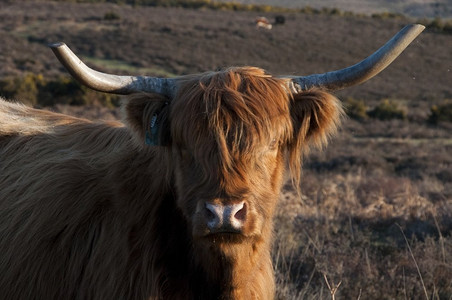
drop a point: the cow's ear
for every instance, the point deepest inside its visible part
(147, 115)
(315, 117)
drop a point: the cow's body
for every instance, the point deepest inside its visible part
(87, 211)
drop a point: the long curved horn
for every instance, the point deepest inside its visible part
(362, 71)
(108, 83)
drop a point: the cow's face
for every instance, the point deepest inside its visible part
(228, 134)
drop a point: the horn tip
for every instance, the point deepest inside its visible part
(56, 45)
(417, 27)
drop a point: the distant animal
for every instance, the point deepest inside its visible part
(263, 22)
(175, 203)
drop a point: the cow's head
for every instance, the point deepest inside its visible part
(229, 132)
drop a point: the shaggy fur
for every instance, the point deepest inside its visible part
(88, 211)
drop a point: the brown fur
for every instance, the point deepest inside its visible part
(87, 211)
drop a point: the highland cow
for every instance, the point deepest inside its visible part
(177, 201)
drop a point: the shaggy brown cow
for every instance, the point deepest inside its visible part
(92, 211)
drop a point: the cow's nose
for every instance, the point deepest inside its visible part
(225, 218)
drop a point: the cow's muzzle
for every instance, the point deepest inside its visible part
(225, 218)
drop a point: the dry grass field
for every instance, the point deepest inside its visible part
(374, 218)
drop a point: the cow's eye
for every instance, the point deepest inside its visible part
(273, 144)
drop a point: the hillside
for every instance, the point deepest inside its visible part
(418, 8)
(168, 42)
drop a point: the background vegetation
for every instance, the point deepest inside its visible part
(374, 220)
(438, 24)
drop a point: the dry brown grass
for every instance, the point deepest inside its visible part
(334, 231)
(351, 223)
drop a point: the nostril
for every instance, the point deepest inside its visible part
(209, 214)
(237, 216)
(214, 215)
(241, 214)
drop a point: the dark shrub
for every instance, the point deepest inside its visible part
(440, 113)
(35, 90)
(356, 109)
(280, 20)
(111, 16)
(23, 88)
(61, 90)
(387, 110)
